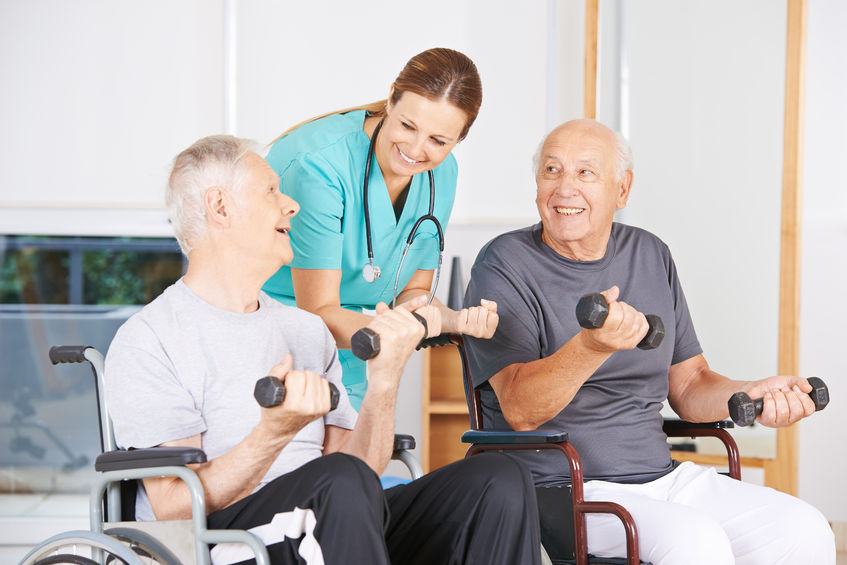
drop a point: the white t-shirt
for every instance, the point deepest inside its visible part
(182, 367)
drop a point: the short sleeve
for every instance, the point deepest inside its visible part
(147, 403)
(316, 236)
(686, 344)
(516, 339)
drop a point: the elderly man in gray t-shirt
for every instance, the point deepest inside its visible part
(300, 476)
(542, 369)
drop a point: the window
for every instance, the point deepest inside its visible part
(55, 291)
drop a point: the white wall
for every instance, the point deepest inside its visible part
(823, 455)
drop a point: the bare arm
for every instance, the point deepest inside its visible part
(234, 475)
(478, 321)
(532, 393)
(372, 440)
(317, 291)
(698, 394)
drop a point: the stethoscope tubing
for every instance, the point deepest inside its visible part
(429, 216)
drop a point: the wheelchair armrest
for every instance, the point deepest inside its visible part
(681, 428)
(510, 436)
(403, 441)
(125, 459)
(674, 426)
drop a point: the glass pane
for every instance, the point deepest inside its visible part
(64, 291)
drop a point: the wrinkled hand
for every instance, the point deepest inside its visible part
(623, 329)
(399, 334)
(432, 315)
(785, 400)
(307, 398)
(478, 321)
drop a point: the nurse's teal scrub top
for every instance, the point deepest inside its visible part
(321, 165)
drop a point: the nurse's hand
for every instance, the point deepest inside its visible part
(478, 321)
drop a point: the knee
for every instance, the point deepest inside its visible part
(502, 479)
(700, 541)
(347, 479)
(802, 534)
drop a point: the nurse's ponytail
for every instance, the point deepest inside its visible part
(437, 73)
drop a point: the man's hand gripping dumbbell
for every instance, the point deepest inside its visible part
(310, 396)
(592, 311)
(366, 344)
(744, 410)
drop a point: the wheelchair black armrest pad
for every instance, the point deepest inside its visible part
(125, 459)
(684, 425)
(509, 436)
(403, 441)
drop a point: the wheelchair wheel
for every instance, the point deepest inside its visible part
(144, 545)
(79, 548)
(66, 558)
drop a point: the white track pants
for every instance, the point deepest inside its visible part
(695, 515)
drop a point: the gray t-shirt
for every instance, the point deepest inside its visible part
(182, 367)
(614, 420)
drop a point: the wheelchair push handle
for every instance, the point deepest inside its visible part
(270, 391)
(68, 354)
(592, 310)
(743, 410)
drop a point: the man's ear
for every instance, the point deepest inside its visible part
(217, 204)
(624, 186)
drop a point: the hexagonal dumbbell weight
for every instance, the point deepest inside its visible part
(592, 310)
(743, 410)
(270, 391)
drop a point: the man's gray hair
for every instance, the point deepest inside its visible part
(624, 160)
(217, 160)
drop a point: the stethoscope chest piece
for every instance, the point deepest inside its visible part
(370, 272)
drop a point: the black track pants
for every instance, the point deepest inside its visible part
(332, 510)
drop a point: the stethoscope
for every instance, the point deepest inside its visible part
(371, 272)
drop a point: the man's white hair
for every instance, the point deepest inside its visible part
(217, 160)
(624, 160)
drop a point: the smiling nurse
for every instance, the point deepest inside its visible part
(363, 178)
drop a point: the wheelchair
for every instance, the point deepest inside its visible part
(563, 509)
(114, 535)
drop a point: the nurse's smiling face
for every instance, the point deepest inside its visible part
(417, 134)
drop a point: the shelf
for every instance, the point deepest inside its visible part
(448, 407)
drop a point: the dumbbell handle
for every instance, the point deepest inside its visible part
(365, 342)
(592, 310)
(743, 410)
(270, 391)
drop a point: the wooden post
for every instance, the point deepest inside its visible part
(592, 23)
(781, 473)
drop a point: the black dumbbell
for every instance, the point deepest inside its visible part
(270, 391)
(365, 342)
(591, 312)
(743, 410)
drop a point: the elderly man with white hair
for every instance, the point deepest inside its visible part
(542, 369)
(301, 476)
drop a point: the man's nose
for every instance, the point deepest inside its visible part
(289, 206)
(566, 186)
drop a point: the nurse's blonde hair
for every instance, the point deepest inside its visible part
(436, 74)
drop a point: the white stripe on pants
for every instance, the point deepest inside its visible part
(695, 515)
(292, 525)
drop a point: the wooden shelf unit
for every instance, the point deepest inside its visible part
(444, 411)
